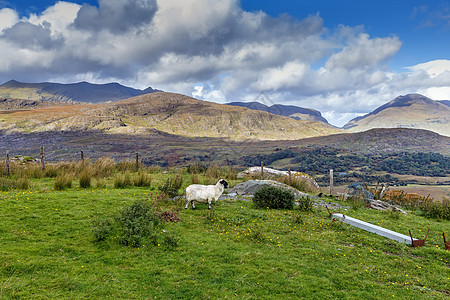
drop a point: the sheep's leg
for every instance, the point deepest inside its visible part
(193, 205)
(187, 204)
(209, 204)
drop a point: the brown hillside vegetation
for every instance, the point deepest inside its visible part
(166, 112)
(409, 111)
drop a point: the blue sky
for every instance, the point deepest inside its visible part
(343, 58)
(422, 26)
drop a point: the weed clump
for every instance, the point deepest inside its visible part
(300, 183)
(273, 197)
(85, 179)
(14, 184)
(100, 183)
(172, 185)
(63, 182)
(122, 181)
(142, 180)
(101, 229)
(305, 204)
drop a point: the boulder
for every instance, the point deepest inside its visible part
(250, 187)
(273, 172)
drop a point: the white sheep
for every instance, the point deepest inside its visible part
(204, 193)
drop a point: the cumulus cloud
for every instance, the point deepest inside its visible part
(213, 50)
(8, 18)
(116, 16)
(363, 52)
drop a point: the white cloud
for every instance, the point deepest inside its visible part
(363, 52)
(8, 18)
(215, 51)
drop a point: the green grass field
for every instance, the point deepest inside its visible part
(47, 251)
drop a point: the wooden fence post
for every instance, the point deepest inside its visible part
(42, 158)
(82, 158)
(290, 175)
(262, 171)
(7, 163)
(137, 162)
(331, 181)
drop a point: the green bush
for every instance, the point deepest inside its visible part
(436, 210)
(137, 222)
(273, 197)
(63, 182)
(85, 179)
(305, 204)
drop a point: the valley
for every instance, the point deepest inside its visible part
(173, 130)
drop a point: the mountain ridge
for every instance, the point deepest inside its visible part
(72, 92)
(406, 111)
(167, 112)
(294, 112)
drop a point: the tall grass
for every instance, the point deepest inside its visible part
(142, 179)
(85, 179)
(428, 206)
(300, 183)
(63, 182)
(7, 184)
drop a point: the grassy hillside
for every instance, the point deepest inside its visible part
(410, 111)
(234, 251)
(171, 113)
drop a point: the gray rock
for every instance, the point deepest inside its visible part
(250, 187)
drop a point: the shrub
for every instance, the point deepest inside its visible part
(172, 185)
(229, 173)
(305, 204)
(196, 168)
(213, 171)
(85, 179)
(273, 197)
(63, 182)
(142, 180)
(137, 222)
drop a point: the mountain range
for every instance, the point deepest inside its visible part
(171, 113)
(408, 111)
(74, 92)
(294, 112)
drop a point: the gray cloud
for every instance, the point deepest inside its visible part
(117, 16)
(27, 35)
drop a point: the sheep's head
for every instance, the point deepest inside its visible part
(224, 183)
